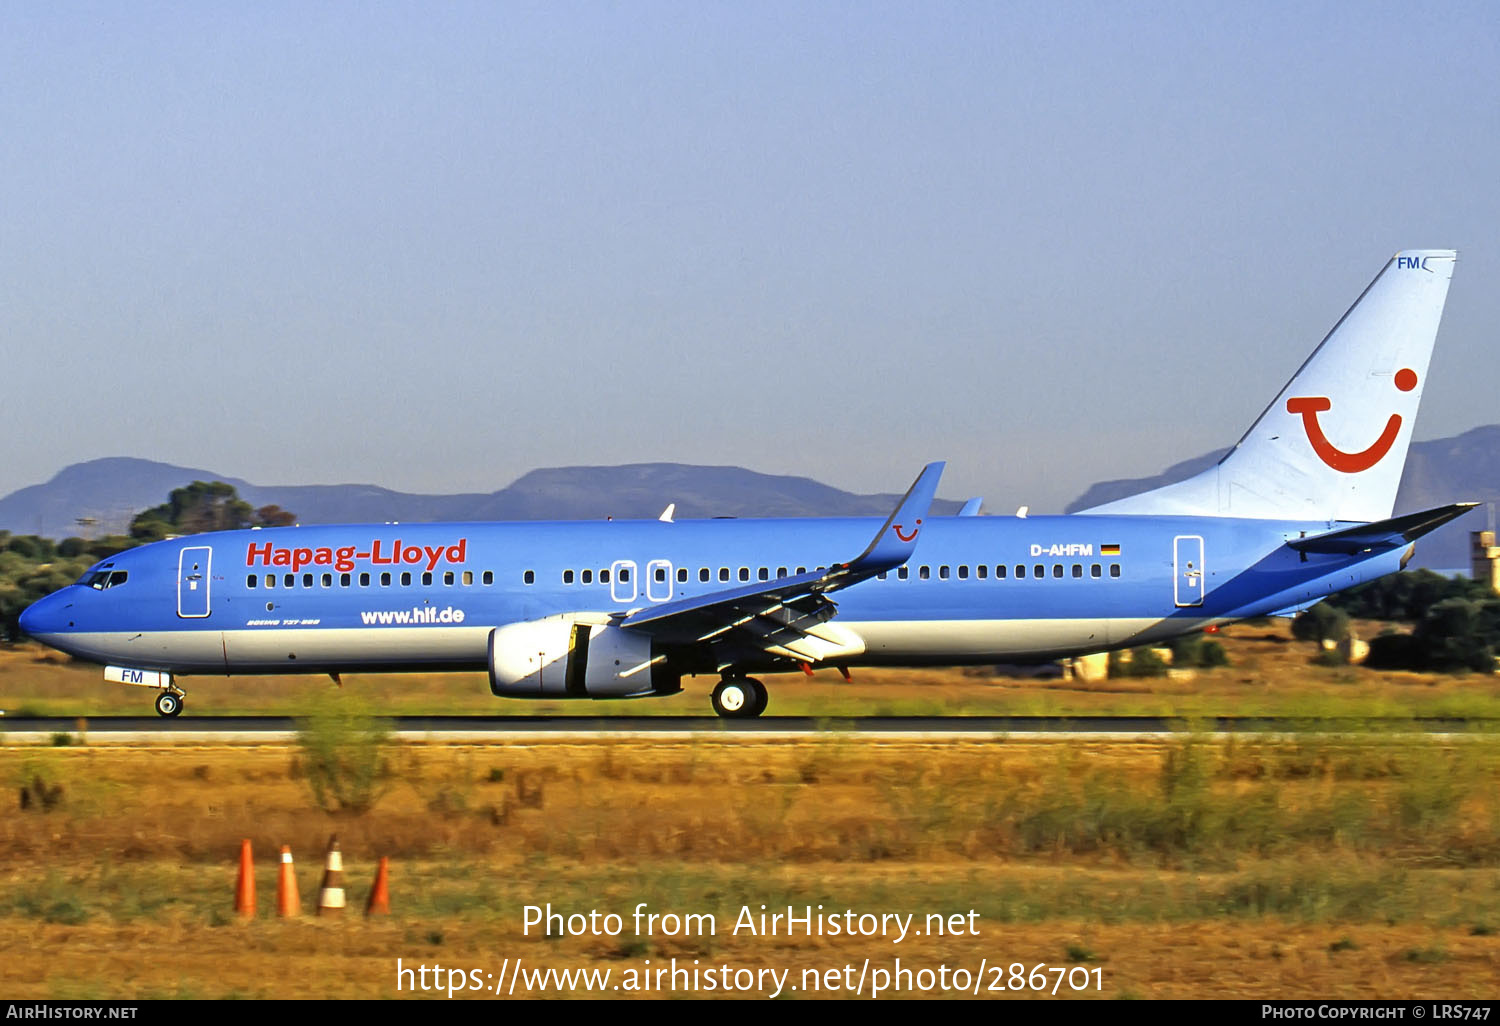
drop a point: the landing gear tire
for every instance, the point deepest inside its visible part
(169, 703)
(739, 698)
(762, 696)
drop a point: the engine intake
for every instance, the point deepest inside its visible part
(567, 657)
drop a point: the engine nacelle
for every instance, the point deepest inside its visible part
(568, 657)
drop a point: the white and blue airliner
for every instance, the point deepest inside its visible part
(1299, 508)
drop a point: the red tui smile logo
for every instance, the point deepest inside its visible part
(907, 537)
(1338, 459)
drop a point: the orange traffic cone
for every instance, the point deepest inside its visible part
(244, 887)
(288, 899)
(379, 903)
(331, 893)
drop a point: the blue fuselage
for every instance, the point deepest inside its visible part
(426, 596)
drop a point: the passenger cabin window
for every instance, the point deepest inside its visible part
(588, 577)
(703, 574)
(981, 571)
(251, 580)
(290, 580)
(1057, 570)
(604, 576)
(1077, 569)
(467, 578)
(744, 573)
(489, 577)
(924, 572)
(1114, 569)
(385, 579)
(529, 577)
(904, 572)
(344, 580)
(307, 580)
(1000, 572)
(448, 577)
(682, 575)
(963, 572)
(723, 573)
(567, 577)
(943, 572)
(426, 578)
(1038, 571)
(328, 580)
(364, 580)
(406, 579)
(1095, 570)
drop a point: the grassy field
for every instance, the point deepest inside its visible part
(1357, 866)
(1360, 865)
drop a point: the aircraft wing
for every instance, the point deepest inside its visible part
(786, 616)
(1383, 534)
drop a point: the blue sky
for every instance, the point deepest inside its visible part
(435, 246)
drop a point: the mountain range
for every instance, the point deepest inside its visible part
(100, 496)
(109, 492)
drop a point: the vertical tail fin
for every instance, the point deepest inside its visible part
(1333, 443)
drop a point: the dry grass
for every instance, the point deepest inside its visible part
(1357, 867)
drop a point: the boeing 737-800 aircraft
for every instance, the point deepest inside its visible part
(1299, 509)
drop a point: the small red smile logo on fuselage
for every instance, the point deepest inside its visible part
(1338, 459)
(907, 537)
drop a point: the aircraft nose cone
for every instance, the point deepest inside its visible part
(37, 618)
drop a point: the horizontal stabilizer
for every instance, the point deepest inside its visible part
(1383, 534)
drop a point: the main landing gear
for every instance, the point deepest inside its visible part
(169, 702)
(740, 698)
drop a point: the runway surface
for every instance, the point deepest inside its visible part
(273, 729)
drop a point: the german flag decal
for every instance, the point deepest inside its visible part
(1109, 550)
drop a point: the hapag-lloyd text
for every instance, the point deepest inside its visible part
(343, 558)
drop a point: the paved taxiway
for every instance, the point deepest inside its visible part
(476, 729)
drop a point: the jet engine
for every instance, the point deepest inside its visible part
(568, 657)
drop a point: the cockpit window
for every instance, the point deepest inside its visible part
(101, 579)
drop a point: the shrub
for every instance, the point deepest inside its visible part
(342, 748)
(1321, 623)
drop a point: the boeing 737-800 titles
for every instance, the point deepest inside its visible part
(1299, 508)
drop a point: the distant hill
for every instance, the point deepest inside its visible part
(111, 491)
(1459, 469)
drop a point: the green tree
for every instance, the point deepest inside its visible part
(204, 506)
(1321, 623)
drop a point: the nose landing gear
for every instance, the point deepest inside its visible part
(740, 698)
(169, 702)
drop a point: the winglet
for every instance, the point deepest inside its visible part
(971, 508)
(896, 540)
